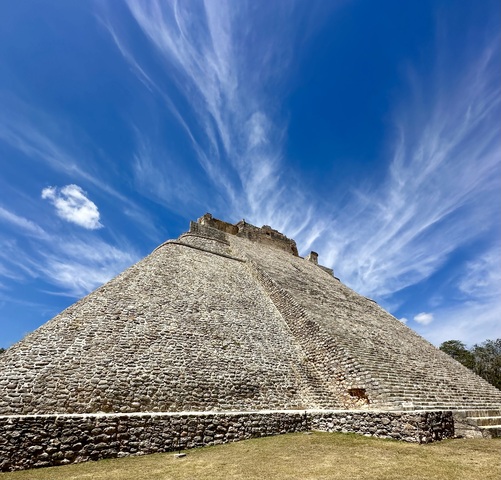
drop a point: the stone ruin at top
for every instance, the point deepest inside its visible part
(229, 317)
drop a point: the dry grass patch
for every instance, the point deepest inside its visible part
(298, 456)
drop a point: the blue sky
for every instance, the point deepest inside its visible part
(367, 131)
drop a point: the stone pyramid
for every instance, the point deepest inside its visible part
(230, 318)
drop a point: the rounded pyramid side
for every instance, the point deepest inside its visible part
(182, 330)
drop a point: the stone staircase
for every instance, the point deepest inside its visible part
(478, 423)
(406, 390)
(354, 345)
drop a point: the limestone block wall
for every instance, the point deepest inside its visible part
(205, 230)
(264, 235)
(46, 440)
(267, 236)
(158, 339)
(420, 427)
(208, 220)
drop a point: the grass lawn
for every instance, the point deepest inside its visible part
(298, 456)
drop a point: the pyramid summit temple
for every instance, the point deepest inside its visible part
(223, 334)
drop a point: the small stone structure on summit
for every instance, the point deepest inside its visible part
(223, 334)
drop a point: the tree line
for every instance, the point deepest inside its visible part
(483, 359)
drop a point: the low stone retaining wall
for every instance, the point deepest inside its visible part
(419, 427)
(32, 441)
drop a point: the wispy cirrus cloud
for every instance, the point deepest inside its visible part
(20, 128)
(476, 315)
(41, 137)
(73, 205)
(439, 190)
(38, 137)
(72, 265)
(471, 322)
(482, 276)
(230, 120)
(79, 266)
(26, 225)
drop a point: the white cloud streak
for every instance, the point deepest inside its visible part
(476, 316)
(482, 277)
(41, 253)
(26, 226)
(79, 266)
(75, 266)
(41, 138)
(72, 205)
(471, 322)
(238, 139)
(440, 190)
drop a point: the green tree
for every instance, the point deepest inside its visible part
(483, 359)
(459, 352)
(487, 361)
(2, 350)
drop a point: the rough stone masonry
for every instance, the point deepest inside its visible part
(226, 318)
(34, 441)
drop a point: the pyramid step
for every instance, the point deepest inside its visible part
(434, 406)
(481, 413)
(486, 421)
